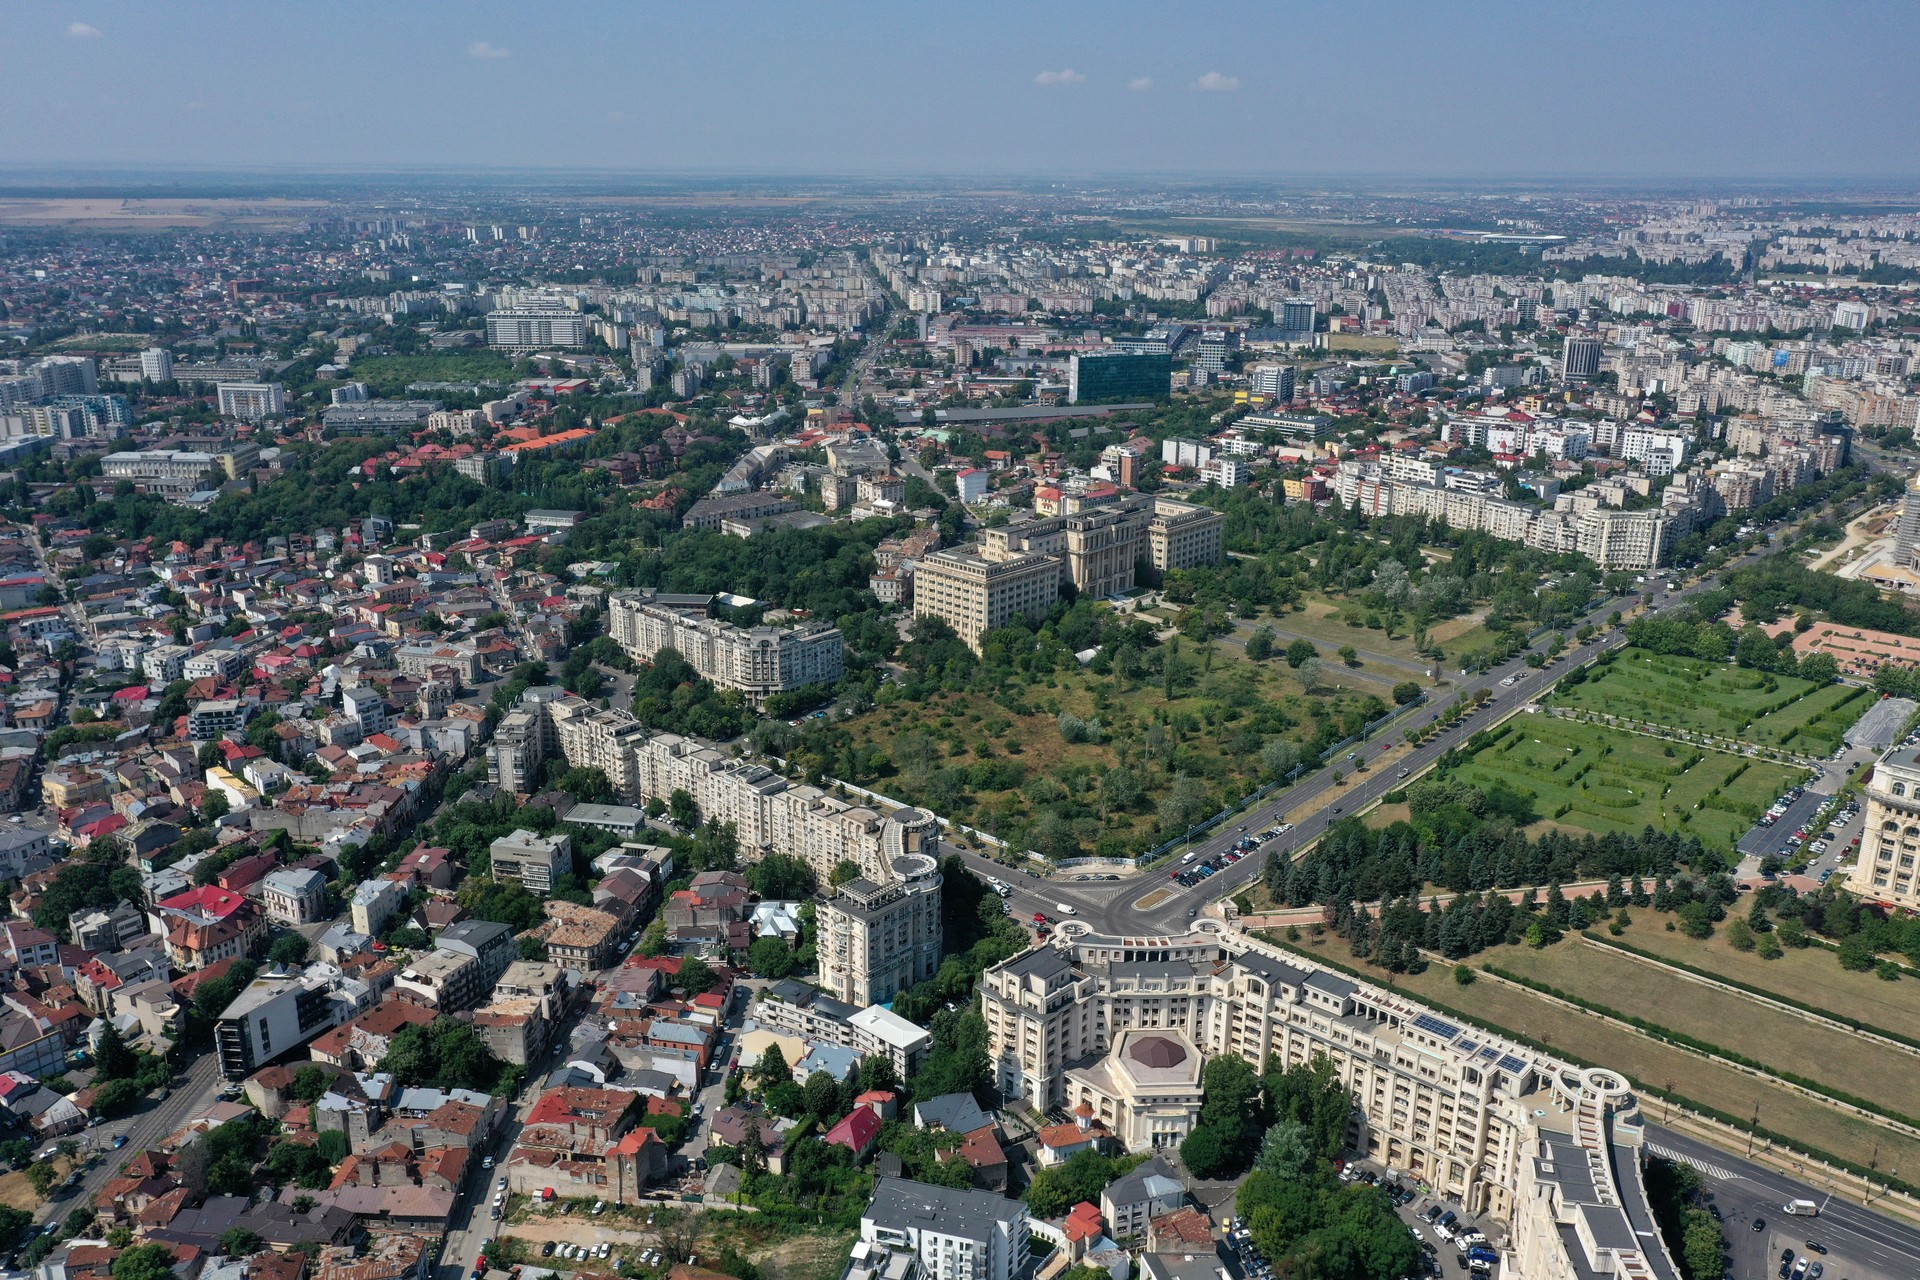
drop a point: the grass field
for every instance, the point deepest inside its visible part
(1801, 1120)
(1779, 1041)
(1601, 780)
(1811, 976)
(1321, 622)
(389, 375)
(1726, 701)
(1019, 769)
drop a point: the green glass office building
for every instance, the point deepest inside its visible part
(1119, 376)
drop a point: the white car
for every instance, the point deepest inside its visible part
(1065, 908)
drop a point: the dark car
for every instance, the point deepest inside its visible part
(1759, 1224)
(1814, 1246)
(546, 1250)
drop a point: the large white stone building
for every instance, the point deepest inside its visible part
(1124, 1024)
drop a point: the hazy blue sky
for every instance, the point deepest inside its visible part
(1679, 88)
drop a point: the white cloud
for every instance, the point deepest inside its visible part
(1142, 85)
(83, 31)
(1067, 75)
(1214, 82)
(485, 51)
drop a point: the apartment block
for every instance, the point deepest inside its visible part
(769, 813)
(974, 595)
(534, 862)
(1886, 869)
(1433, 1099)
(876, 940)
(757, 661)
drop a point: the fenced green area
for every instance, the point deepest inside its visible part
(1599, 779)
(1720, 699)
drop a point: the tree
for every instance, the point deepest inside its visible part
(1285, 1151)
(1309, 672)
(117, 1061)
(144, 1262)
(240, 1243)
(695, 976)
(781, 877)
(681, 810)
(822, 1093)
(844, 870)
(1260, 644)
(771, 958)
(288, 949)
(772, 1068)
(310, 1083)
(1055, 1190)
(443, 1054)
(214, 806)
(41, 1178)
(1405, 692)
(1349, 655)
(1298, 652)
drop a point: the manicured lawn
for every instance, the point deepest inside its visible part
(1720, 699)
(1732, 1021)
(1811, 976)
(1601, 779)
(1803, 1120)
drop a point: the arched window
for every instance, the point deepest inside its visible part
(1899, 788)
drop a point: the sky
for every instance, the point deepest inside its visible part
(1429, 89)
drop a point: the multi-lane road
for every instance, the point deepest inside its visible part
(146, 1127)
(1860, 1243)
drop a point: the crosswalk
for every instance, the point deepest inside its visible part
(1713, 1171)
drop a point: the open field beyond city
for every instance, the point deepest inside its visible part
(1719, 699)
(1599, 779)
(110, 214)
(1322, 621)
(1804, 1121)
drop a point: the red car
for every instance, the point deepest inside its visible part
(1040, 917)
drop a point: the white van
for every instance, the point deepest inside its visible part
(1801, 1208)
(1065, 908)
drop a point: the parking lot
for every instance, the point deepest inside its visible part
(1188, 874)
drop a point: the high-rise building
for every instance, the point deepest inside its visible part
(1295, 320)
(1580, 359)
(1906, 534)
(1890, 846)
(69, 375)
(877, 940)
(530, 328)
(252, 401)
(156, 364)
(1119, 375)
(1274, 380)
(975, 596)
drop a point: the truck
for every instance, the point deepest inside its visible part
(1801, 1209)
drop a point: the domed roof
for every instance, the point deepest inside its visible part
(1156, 1051)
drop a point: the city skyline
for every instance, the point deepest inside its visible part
(1389, 89)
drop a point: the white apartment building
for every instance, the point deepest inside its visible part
(163, 471)
(955, 1234)
(252, 401)
(758, 661)
(1886, 870)
(1479, 1119)
(770, 814)
(1660, 451)
(877, 940)
(531, 328)
(535, 862)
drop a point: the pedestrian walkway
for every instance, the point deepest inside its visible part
(1714, 1171)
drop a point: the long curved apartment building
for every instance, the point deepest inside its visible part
(1546, 1146)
